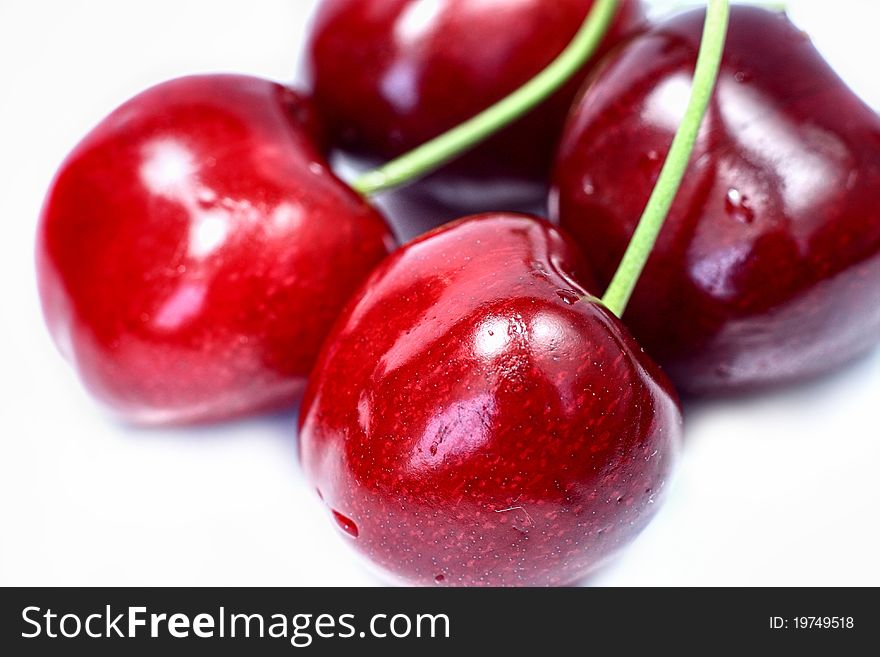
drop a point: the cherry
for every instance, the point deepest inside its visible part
(433, 64)
(478, 418)
(195, 248)
(769, 265)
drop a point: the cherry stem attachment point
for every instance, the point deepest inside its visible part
(433, 154)
(645, 237)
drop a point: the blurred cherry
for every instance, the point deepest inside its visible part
(391, 74)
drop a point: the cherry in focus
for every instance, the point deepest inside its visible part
(768, 268)
(390, 75)
(477, 418)
(195, 248)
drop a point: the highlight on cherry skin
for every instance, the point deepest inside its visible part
(477, 417)
(768, 268)
(436, 63)
(195, 248)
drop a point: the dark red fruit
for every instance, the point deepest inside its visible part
(768, 268)
(392, 74)
(195, 248)
(477, 418)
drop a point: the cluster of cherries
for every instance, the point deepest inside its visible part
(474, 414)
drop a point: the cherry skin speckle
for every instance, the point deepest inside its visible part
(391, 74)
(768, 268)
(195, 248)
(478, 427)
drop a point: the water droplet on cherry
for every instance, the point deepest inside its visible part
(737, 206)
(206, 198)
(649, 163)
(345, 523)
(568, 296)
(589, 186)
(439, 579)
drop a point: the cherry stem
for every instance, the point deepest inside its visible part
(777, 6)
(645, 237)
(433, 154)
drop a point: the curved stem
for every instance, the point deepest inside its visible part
(433, 154)
(645, 237)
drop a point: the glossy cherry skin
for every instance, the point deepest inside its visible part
(391, 74)
(768, 268)
(195, 248)
(477, 418)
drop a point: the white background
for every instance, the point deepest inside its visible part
(773, 490)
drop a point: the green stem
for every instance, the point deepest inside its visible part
(777, 6)
(645, 237)
(437, 152)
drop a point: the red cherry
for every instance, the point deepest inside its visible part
(768, 268)
(195, 248)
(391, 74)
(476, 418)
